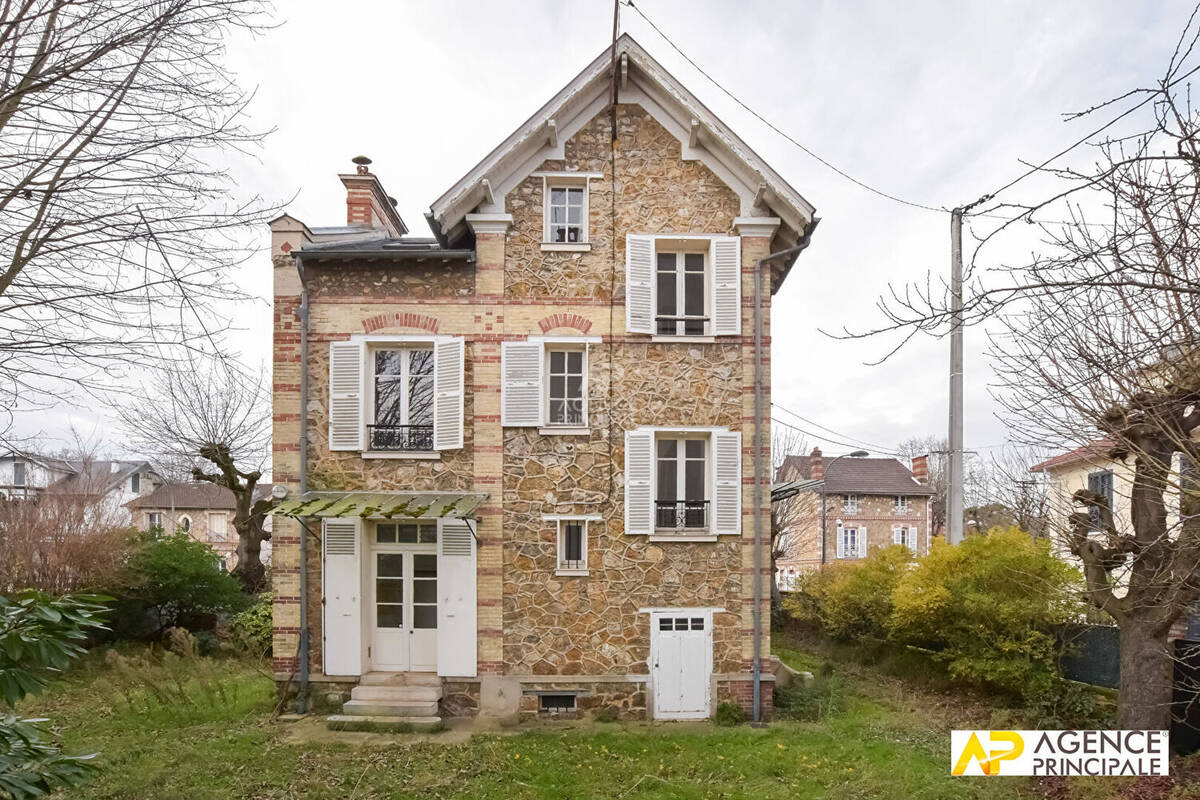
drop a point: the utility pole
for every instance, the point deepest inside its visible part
(954, 503)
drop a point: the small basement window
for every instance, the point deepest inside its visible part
(556, 703)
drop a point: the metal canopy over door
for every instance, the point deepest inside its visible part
(681, 663)
(404, 577)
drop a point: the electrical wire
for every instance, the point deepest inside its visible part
(827, 439)
(769, 124)
(857, 442)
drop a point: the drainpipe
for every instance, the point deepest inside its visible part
(758, 460)
(302, 698)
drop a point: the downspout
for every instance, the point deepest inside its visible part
(758, 460)
(302, 698)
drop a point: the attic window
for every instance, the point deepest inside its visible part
(565, 213)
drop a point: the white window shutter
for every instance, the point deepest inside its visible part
(897, 535)
(342, 587)
(345, 395)
(861, 542)
(639, 283)
(639, 482)
(521, 384)
(448, 378)
(841, 541)
(727, 482)
(726, 286)
(457, 635)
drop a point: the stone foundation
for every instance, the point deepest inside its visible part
(628, 699)
(459, 699)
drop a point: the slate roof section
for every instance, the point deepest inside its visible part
(383, 247)
(1097, 450)
(96, 477)
(885, 476)
(194, 495)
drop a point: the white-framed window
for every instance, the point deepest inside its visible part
(905, 535)
(184, 524)
(851, 541)
(155, 520)
(681, 500)
(683, 481)
(135, 482)
(544, 383)
(850, 503)
(402, 399)
(566, 386)
(572, 546)
(216, 526)
(406, 533)
(390, 394)
(19, 477)
(683, 285)
(566, 211)
(681, 293)
(901, 504)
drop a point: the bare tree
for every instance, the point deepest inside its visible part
(219, 422)
(794, 520)
(117, 221)
(938, 474)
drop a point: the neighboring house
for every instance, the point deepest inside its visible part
(1091, 467)
(201, 509)
(868, 503)
(113, 483)
(530, 463)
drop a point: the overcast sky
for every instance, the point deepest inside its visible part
(935, 102)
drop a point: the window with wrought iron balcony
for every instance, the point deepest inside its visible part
(403, 379)
(682, 503)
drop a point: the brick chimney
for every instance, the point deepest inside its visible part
(367, 204)
(920, 469)
(816, 465)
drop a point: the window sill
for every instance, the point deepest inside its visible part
(563, 430)
(683, 339)
(566, 247)
(698, 536)
(576, 573)
(400, 454)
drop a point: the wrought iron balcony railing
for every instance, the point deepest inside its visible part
(681, 514)
(686, 325)
(417, 438)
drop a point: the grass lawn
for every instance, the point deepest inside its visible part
(210, 737)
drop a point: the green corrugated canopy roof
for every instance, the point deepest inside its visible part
(382, 505)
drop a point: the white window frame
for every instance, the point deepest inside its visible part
(905, 535)
(154, 519)
(135, 482)
(563, 347)
(24, 479)
(680, 249)
(850, 553)
(681, 460)
(901, 504)
(212, 531)
(566, 180)
(184, 523)
(560, 521)
(850, 503)
(369, 406)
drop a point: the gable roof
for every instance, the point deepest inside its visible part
(644, 81)
(194, 495)
(1099, 450)
(96, 477)
(856, 475)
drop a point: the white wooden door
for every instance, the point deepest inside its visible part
(405, 610)
(681, 662)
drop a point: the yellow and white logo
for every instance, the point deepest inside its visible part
(1058, 752)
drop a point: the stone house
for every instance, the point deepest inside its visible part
(201, 509)
(847, 506)
(107, 483)
(519, 455)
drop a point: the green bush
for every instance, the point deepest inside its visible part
(812, 703)
(252, 628)
(848, 600)
(729, 714)
(178, 581)
(988, 608)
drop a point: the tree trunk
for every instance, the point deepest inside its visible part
(250, 571)
(1147, 677)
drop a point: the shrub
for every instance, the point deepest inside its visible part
(812, 703)
(851, 599)
(252, 628)
(988, 608)
(729, 714)
(178, 581)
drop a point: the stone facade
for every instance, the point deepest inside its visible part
(532, 622)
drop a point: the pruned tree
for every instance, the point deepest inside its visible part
(219, 422)
(118, 218)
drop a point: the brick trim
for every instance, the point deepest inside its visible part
(400, 319)
(581, 324)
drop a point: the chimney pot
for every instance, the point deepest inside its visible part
(363, 163)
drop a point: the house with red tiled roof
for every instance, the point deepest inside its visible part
(847, 506)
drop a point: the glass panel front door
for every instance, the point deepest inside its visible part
(405, 605)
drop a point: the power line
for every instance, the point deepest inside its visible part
(770, 125)
(826, 439)
(858, 442)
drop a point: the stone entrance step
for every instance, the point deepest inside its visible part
(382, 724)
(399, 694)
(389, 708)
(400, 679)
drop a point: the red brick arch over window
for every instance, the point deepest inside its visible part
(395, 319)
(565, 321)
